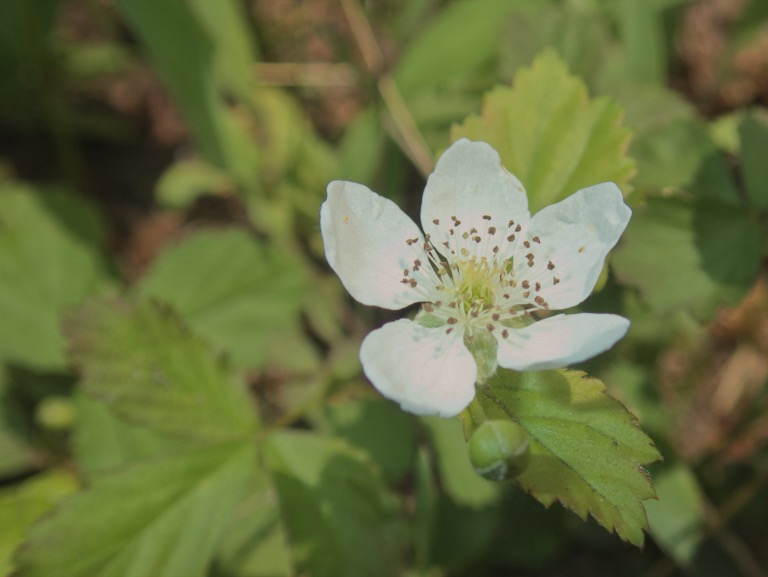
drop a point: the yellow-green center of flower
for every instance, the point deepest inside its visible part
(477, 282)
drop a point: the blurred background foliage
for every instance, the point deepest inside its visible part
(164, 300)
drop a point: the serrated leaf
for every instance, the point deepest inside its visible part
(237, 292)
(340, 518)
(142, 362)
(550, 134)
(711, 254)
(587, 451)
(157, 519)
(49, 260)
(21, 505)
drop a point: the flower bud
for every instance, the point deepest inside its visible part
(499, 450)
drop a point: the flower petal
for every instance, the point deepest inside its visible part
(469, 183)
(426, 370)
(559, 341)
(565, 244)
(365, 236)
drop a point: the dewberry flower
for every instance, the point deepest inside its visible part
(486, 273)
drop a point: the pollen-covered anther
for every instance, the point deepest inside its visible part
(491, 230)
(486, 217)
(452, 320)
(541, 302)
(436, 221)
(537, 286)
(551, 265)
(526, 244)
(504, 334)
(511, 238)
(526, 284)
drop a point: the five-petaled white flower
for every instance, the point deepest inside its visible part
(482, 266)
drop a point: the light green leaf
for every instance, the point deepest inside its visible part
(587, 451)
(710, 256)
(237, 292)
(142, 362)
(457, 476)
(550, 134)
(341, 520)
(21, 505)
(101, 441)
(161, 518)
(49, 261)
(677, 518)
(184, 182)
(754, 143)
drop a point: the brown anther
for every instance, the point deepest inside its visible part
(491, 230)
(477, 239)
(486, 217)
(555, 280)
(452, 305)
(450, 231)
(446, 244)
(550, 265)
(495, 249)
(538, 286)
(496, 316)
(404, 281)
(412, 283)
(411, 241)
(529, 256)
(511, 237)
(518, 228)
(417, 263)
(428, 307)
(473, 230)
(504, 334)
(540, 301)
(506, 296)
(490, 328)
(526, 294)
(474, 314)
(526, 284)
(435, 221)
(536, 239)
(449, 331)
(513, 283)
(405, 272)
(438, 304)
(452, 320)
(526, 244)
(530, 263)
(511, 222)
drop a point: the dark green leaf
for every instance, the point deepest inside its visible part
(340, 518)
(689, 255)
(754, 143)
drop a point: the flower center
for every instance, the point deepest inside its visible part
(477, 282)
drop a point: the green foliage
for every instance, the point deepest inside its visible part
(339, 517)
(586, 449)
(169, 383)
(49, 261)
(161, 517)
(569, 143)
(228, 286)
(697, 270)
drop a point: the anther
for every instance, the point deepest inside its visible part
(504, 334)
(490, 328)
(526, 244)
(536, 239)
(486, 217)
(529, 256)
(477, 239)
(435, 221)
(540, 301)
(555, 280)
(412, 283)
(550, 265)
(538, 286)
(518, 228)
(526, 284)
(496, 316)
(452, 320)
(511, 237)
(526, 294)
(428, 307)
(511, 222)
(491, 230)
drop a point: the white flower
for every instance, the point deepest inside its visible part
(482, 266)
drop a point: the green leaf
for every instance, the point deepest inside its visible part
(458, 478)
(711, 254)
(21, 505)
(184, 182)
(142, 362)
(236, 291)
(586, 449)
(185, 55)
(435, 57)
(161, 518)
(754, 142)
(550, 134)
(341, 520)
(379, 428)
(255, 543)
(101, 441)
(677, 518)
(49, 260)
